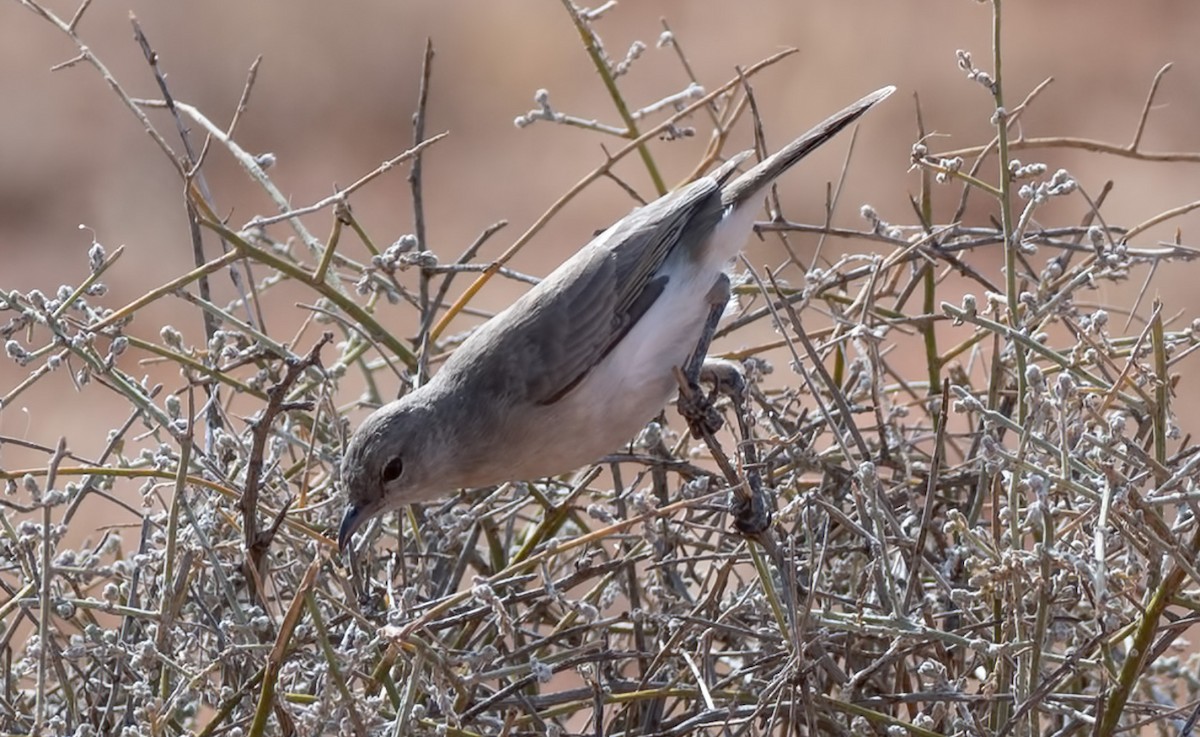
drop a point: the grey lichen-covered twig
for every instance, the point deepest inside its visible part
(982, 488)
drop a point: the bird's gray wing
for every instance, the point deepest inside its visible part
(543, 345)
(546, 342)
(599, 295)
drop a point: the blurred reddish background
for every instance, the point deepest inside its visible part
(338, 84)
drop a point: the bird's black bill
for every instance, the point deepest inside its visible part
(351, 521)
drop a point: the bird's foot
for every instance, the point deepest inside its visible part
(752, 513)
(727, 378)
(699, 411)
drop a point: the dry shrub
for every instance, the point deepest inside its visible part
(983, 512)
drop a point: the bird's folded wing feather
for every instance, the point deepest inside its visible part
(614, 287)
(579, 313)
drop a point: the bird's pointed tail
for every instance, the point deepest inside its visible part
(766, 171)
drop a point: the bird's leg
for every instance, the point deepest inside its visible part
(724, 376)
(752, 512)
(751, 506)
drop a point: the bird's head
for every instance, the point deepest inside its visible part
(389, 462)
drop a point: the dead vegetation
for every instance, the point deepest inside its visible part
(997, 537)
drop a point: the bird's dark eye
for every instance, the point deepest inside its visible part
(392, 470)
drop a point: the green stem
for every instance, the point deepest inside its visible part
(610, 83)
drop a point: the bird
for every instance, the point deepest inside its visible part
(575, 367)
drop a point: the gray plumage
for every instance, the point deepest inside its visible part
(577, 365)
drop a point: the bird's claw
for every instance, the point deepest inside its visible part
(752, 513)
(699, 412)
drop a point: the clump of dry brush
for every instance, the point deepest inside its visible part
(983, 512)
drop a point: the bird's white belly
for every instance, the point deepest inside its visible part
(636, 379)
